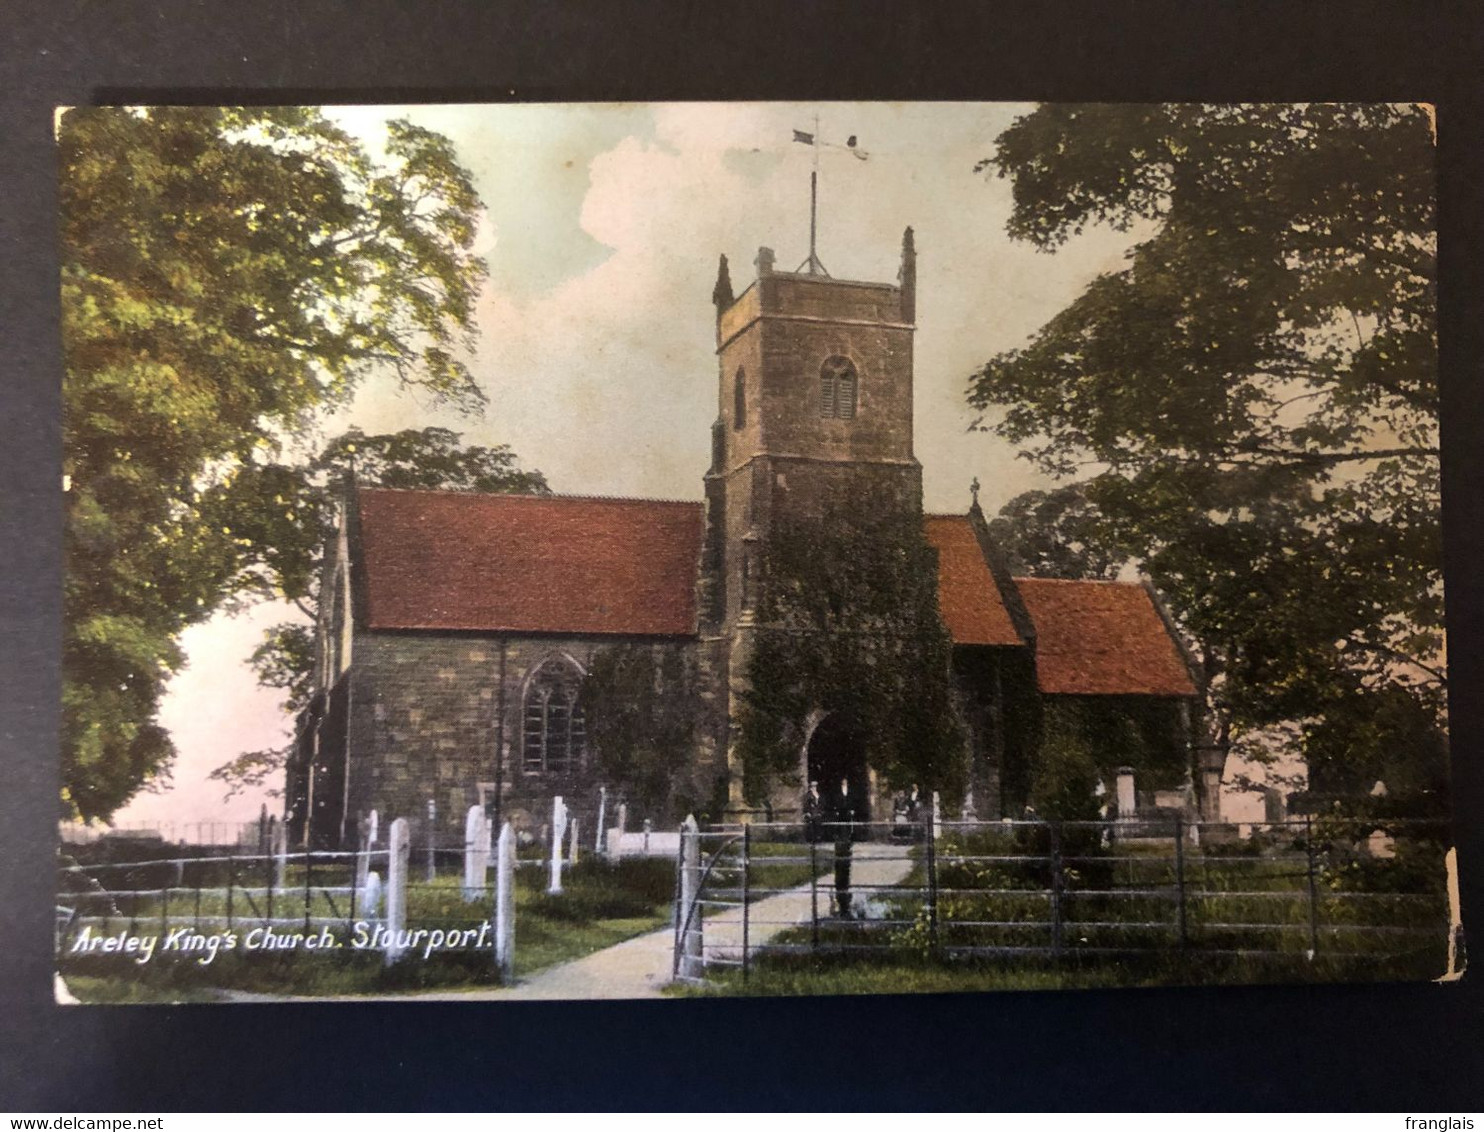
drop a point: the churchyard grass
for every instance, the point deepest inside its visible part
(1247, 920)
(904, 973)
(601, 904)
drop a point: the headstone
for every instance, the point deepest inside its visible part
(1127, 799)
(280, 854)
(572, 844)
(476, 852)
(371, 894)
(505, 903)
(648, 829)
(558, 831)
(369, 830)
(432, 840)
(623, 817)
(598, 846)
(1211, 777)
(399, 851)
(937, 816)
(688, 912)
(363, 865)
(1274, 812)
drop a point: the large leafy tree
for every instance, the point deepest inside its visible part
(227, 274)
(1249, 406)
(426, 459)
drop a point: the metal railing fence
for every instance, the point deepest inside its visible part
(1058, 890)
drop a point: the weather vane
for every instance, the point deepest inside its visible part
(813, 265)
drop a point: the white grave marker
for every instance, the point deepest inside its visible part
(371, 896)
(399, 849)
(558, 831)
(505, 903)
(476, 852)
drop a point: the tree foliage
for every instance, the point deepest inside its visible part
(1054, 534)
(1250, 404)
(226, 274)
(848, 622)
(641, 703)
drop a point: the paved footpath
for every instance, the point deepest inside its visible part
(641, 967)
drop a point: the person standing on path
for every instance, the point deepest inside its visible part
(843, 829)
(813, 814)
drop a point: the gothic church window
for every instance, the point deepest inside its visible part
(837, 388)
(554, 738)
(739, 400)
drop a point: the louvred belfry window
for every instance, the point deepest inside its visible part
(739, 400)
(555, 732)
(837, 388)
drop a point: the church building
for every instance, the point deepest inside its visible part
(457, 629)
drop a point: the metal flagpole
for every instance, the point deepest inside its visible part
(814, 264)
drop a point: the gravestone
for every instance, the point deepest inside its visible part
(399, 850)
(476, 852)
(280, 854)
(572, 843)
(505, 903)
(598, 846)
(615, 840)
(1127, 799)
(558, 831)
(371, 894)
(363, 865)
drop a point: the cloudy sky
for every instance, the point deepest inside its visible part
(596, 343)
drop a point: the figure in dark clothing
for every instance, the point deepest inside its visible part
(813, 814)
(843, 829)
(906, 810)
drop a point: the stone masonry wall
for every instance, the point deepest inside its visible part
(425, 722)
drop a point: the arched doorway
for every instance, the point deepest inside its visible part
(836, 754)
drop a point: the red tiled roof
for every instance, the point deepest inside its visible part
(563, 564)
(529, 563)
(1102, 639)
(968, 598)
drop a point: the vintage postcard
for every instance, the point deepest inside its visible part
(638, 550)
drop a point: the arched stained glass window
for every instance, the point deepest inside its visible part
(554, 736)
(837, 388)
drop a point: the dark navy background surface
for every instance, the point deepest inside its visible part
(1416, 1048)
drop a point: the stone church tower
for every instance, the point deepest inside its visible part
(458, 630)
(814, 390)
